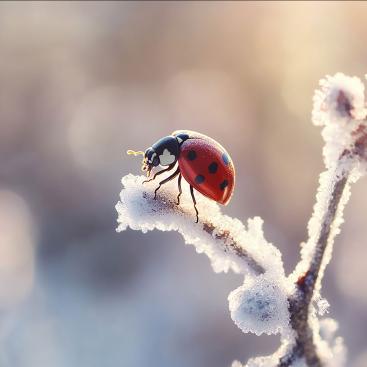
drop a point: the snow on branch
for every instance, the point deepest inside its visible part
(268, 301)
(226, 241)
(339, 107)
(260, 305)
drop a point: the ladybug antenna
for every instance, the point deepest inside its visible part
(145, 166)
(132, 152)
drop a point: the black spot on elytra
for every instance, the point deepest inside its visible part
(199, 179)
(191, 155)
(223, 184)
(225, 158)
(213, 167)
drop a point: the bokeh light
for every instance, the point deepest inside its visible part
(17, 247)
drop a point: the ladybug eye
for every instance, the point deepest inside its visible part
(155, 161)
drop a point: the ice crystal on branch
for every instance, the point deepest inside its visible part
(322, 306)
(268, 301)
(260, 305)
(339, 107)
(339, 100)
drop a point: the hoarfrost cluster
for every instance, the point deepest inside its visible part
(339, 107)
(260, 305)
(268, 301)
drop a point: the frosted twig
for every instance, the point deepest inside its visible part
(225, 240)
(300, 302)
(229, 244)
(339, 107)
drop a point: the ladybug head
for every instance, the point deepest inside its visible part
(164, 152)
(150, 160)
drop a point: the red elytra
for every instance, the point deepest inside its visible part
(207, 166)
(202, 161)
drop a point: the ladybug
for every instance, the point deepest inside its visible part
(201, 161)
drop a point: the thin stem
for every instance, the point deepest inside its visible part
(231, 245)
(300, 302)
(325, 237)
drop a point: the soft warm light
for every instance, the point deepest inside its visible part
(16, 248)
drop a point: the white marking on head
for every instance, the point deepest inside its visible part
(166, 158)
(179, 139)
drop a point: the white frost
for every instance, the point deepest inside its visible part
(339, 106)
(322, 306)
(260, 305)
(138, 210)
(273, 360)
(328, 180)
(339, 99)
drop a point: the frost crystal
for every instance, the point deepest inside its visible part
(274, 359)
(339, 107)
(260, 305)
(339, 100)
(322, 306)
(321, 214)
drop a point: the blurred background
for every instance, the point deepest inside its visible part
(80, 83)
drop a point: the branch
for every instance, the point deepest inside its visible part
(326, 238)
(340, 108)
(317, 253)
(230, 244)
(260, 304)
(300, 302)
(225, 240)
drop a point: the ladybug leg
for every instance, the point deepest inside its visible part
(159, 172)
(179, 188)
(169, 178)
(194, 201)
